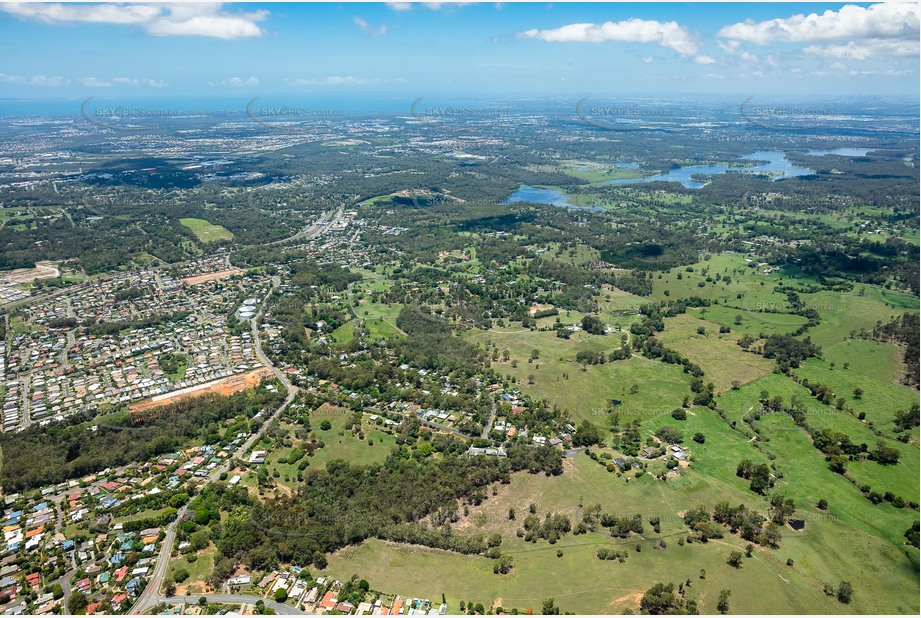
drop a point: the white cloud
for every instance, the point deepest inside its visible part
(889, 20)
(337, 80)
(199, 19)
(866, 49)
(647, 59)
(237, 82)
(434, 6)
(367, 28)
(747, 56)
(35, 80)
(667, 34)
(143, 81)
(702, 59)
(93, 82)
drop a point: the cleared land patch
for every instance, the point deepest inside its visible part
(206, 231)
(223, 387)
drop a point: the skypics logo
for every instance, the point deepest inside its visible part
(466, 130)
(785, 117)
(121, 116)
(615, 115)
(457, 115)
(785, 313)
(296, 118)
(765, 419)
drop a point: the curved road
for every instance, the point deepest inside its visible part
(151, 595)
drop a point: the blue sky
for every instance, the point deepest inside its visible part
(250, 49)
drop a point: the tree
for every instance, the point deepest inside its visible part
(906, 419)
(845, 590)
(679, 414)
(281, 595)
(549, 608)
(202, 601)
(699, 438)
(503, 566)
(660, 599)
(885, 455)
(669, 435)
(77, 603)
(326, 425)
(169, 587)
(57, 591)
(723, 604)
(587, 434)
(735, 559)
(858, 393)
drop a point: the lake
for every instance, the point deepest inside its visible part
(543, 196)
(776, 163)
(843, 152)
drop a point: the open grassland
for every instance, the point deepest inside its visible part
(880, 399)
(722, 360)
(206, 231)
(580, 582)
(806, 476)
(599, 172)
(344, 333)
(588, 393)
(199, 570)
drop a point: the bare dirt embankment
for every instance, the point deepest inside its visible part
(224, 386)
(221, 274)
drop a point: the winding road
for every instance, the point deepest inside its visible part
(151, 595)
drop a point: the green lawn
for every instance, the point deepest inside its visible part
(205, 231)
(375, 447)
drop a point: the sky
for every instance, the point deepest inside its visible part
(141, 50)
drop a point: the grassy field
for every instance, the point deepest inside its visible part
(580, 582)
(342, 444)
(806, 476)
(205, 231)
(199, 570)
(598, 173)
(344, 333)
(559, 379)
(722, 360)
(881, 398)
